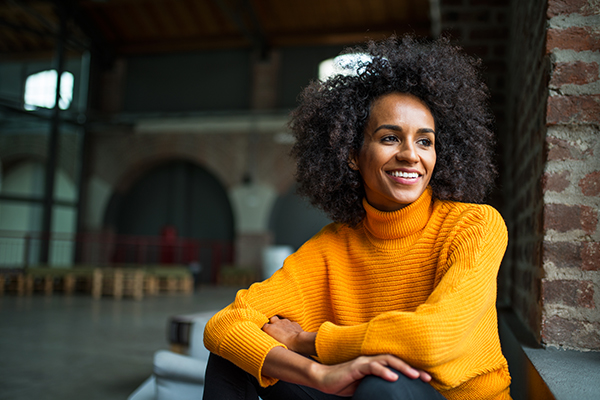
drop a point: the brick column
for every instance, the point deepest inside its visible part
(571, 183)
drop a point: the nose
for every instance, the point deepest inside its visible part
(407, 152)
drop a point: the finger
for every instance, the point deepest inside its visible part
(383, 372)
(404, 368)
(425, 377)
(274, 319)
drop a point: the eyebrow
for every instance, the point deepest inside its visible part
(399, 129)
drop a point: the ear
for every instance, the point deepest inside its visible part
(353, 162)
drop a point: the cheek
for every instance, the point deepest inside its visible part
(430, 160)
(366, 161)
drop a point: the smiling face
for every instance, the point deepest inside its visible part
(397, 157)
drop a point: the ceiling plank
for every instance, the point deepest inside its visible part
(146, 26)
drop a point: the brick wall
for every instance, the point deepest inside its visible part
(481, 28)
(524, 162)
(571, 182)
(121, 159)
(551, 172)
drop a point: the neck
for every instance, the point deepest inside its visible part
(401, 223)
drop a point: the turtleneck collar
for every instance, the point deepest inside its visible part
(399, 224)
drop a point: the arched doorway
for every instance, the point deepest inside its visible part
(178, 199)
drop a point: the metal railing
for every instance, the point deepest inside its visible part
(20, 249)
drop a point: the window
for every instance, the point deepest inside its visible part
(40, 90)
(346, 64)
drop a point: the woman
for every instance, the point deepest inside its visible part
(396, 298)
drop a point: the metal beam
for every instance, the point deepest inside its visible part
(51, 160)
(42, 114)
(262, 38)
(103, 51)
(435, 15)
(35, 200)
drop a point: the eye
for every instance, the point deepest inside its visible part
(425, 142)
(389, 139)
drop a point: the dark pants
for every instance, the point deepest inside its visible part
(225, 381)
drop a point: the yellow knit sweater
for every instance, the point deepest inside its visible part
(419, 283)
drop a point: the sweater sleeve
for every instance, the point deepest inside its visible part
(235, 333)
(435, 332)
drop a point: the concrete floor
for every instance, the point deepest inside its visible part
(75, 347)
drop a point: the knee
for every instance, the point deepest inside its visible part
(375, 387)
(216, 363)
(220, 367)
(403, 388)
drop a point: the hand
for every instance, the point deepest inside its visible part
(343, 379)
(291, 335)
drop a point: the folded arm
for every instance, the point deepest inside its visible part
(436, 332)
(340, 379)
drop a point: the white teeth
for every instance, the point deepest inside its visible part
(410, 175)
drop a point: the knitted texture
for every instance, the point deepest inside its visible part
(419, 283)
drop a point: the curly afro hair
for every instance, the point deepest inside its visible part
(329, 123)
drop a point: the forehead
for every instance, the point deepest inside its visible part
(400, 107)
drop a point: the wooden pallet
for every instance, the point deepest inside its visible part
(118, 282)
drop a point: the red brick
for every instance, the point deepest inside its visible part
(560, 149)
(573, 109)
(589, 219)
(565, 7)
(556, 182)
(578, 73)
(564, 218)
(563, 254)
(574, 333)
(590, 184)
(557, 330)
(568, 292)
(573, 38)
(590, 256)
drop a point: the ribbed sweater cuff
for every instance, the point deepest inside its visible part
(248, 347)
(336, 344)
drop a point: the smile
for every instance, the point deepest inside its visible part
(399, 174)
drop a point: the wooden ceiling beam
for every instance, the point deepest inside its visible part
(181, 45)
(330, 39)
(287, 40)
(120, 27)
(244, 18)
